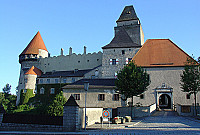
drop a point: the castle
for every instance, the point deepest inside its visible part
(161, 58)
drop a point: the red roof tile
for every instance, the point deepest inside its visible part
(34, 71)
(160, 52)
(35, 44)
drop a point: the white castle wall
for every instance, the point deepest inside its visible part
(43, 53)
(31, 81)
(71, 62)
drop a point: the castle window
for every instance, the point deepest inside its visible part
(41, 81)
(56, 80)
(114, 61)
(87, 60)
(116, 97)
(48, 80)
(42, 90)
(64, 80)
(101, 97)
(52, 91)
(97, 59)
(188, 96)
(79, 61)
(123, 52)
(73, 80)
(77, 96)
(142, 96)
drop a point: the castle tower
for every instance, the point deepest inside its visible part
(127, 41)
(28, 59)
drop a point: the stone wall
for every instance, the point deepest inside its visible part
(29, 127)
(187, 110)
(109, 70)
(71, 118)
(136, 111)
(71, 62)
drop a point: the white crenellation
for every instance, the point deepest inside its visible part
(71, 62)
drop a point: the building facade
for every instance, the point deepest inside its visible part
(161, 58)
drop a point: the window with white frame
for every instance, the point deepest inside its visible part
(73, 80)
(114, 61)
(77, 96)
(41, 81)
(56, 80)
(42, 90)
(64, 80)
(52, 91)
(48, 80)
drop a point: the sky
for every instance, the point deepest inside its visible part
(90, 23)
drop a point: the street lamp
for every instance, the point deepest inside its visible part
(86, 86)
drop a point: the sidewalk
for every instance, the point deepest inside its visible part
(105, 125)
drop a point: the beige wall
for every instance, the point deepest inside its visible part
(171, 77)
(92, 98)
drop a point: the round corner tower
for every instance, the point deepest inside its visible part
(29, 59)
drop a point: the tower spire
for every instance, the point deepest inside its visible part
(128, 14)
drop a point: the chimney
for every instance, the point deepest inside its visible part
(70, 51)
(84, 50)
(61, 52)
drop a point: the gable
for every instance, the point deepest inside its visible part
(159, 53)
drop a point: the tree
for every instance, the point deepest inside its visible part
(132, 81)
(6, 90)
(190, 79)
(56, 108)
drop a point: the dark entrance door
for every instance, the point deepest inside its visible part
(165, 101)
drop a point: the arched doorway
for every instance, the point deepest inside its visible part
(165, 101)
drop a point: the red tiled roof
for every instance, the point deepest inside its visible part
(35, 44)
(34, 71)
(160, 52)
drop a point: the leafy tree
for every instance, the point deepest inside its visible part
(190, 79)
(132, 81)
(6, 90)
(56, 108)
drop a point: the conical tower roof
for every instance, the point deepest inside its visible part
(35, 44)
(128, 14)
(34, 71)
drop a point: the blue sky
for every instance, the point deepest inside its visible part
(78, 23)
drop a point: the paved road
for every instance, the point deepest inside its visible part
(162, 122)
